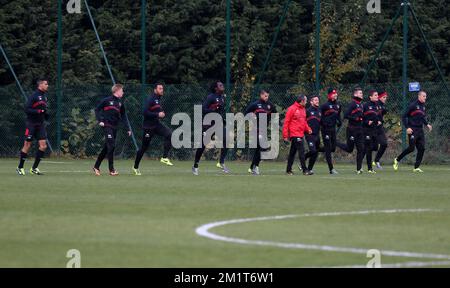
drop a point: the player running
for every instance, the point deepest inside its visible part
(109, 112)
(414, 119)
(371, 123)
(214, 103)
(313, 116)
(261, 106)
(381, 135)
(355, 134)
(153, 113)
(331, 117)
(36, 111)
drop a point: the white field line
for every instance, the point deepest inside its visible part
(402, 265)
(204, 232)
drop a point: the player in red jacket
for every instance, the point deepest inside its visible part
(294, 128)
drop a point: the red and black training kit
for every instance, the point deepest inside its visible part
(371, 111)
(153, 126)
(415, 118)
(381, 134)
(313, 117)
(259, 107)
(110, 111)
(214, 103)
(36, 111)
(355, 135)
(331, 117)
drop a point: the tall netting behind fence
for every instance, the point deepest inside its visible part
(81, 137)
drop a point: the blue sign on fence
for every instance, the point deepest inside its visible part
(414, 87)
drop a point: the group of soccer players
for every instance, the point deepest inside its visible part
(364, 131)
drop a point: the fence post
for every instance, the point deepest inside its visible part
(317, 52)
(107, 64)
(228, 56)
(143, 48)
(405, 66)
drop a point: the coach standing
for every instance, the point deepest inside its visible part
(294, 128)
(414, 119)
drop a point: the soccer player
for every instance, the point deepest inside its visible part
(261, 106)
(331, 117)
(294, 128)
(313, 116)
(371, 122)
(153, 113)
(109, 112)
(414, 119)
(381, 135)
(355, 135)
(214, 103)
(36, 111)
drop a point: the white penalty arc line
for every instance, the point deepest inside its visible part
(204, 232)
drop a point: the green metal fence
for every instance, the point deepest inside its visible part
(81, 137)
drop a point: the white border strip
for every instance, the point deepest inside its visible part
(204, 232)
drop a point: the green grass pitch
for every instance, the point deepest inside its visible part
(151, 220)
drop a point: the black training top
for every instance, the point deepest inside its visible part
(36, 107)
(110, 111)
(415, 116)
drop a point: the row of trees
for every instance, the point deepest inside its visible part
(186, 41)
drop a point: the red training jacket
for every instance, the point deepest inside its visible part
(295, 124)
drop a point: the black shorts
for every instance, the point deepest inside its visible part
(159, 129)
(313, 142)
(329, 139)
(355, 134)
(417, 137)
(35, 131)
(381, 136)
(370, 138)
(110, 134)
